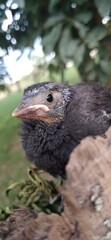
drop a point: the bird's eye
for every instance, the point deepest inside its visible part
(49, 98)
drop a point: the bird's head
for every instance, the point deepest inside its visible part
(44, 101)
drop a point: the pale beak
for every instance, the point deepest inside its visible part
(25, 110)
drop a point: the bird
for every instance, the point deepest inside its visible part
(56, 117)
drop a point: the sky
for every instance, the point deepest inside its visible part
(20, 66)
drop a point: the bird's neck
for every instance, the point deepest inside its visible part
(43, 125)
(49, 129)
(42, 135)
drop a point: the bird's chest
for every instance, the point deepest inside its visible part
(37, 140)
(48, 148)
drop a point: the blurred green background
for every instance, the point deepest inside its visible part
(50, 40)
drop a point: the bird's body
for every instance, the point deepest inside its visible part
(62, 116)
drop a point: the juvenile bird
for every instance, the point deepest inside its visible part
(56, 117)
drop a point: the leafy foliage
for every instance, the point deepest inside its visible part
(77, 30)
(38, 192)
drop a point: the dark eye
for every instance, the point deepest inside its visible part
(49, 97)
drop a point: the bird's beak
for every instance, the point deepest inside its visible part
(30, 111)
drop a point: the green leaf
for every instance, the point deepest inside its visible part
(79, 55)
(64, 43)
(80, 2)
(85, 16)
(72, 48)
(67, 46)
(39, 192)
(95, 35)
(105, 66)
(32, 7)
(53, 20)
(51, 38)
(103, 7)
(12, 186)
(82, 29)
(52, 4)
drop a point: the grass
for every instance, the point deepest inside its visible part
(12, 160)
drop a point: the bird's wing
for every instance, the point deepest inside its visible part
(89, 111)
